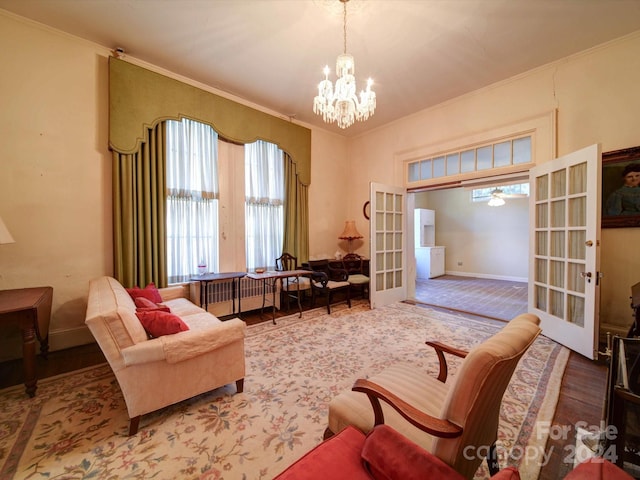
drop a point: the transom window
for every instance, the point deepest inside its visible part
(486, 157)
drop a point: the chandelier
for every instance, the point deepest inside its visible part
(342, 105)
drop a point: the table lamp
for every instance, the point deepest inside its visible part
(350, 233)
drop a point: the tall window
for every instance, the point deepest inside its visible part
(264, 200)
(192, 199)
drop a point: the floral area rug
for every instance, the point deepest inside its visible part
(76, 426)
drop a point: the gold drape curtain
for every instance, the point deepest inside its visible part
(296, 213)
(139, 102)
(139, 215)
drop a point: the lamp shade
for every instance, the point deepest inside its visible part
(350, 232)
(5, 236)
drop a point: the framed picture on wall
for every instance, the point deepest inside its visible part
(621, 188)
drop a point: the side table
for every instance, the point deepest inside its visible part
(29, 309)
(206, 278)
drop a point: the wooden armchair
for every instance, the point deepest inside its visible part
(326, 281)
(354, 265)
(443, 417)
(292, 286)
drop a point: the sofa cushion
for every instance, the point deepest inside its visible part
(150, 292)
(143, 303)
(158, 323)
(337, 458)
(391, 456)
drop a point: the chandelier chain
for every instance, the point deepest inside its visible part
(344, 26)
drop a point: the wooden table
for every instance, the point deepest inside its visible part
(29, 309)
(207, 278)
(274, 277)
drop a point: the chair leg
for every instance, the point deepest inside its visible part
(492, 460)
(240, 385)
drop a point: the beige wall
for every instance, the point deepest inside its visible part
(55, 167)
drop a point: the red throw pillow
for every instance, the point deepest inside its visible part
(145, 304)
(150, 292)
(158, 323)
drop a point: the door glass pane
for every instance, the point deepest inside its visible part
(575, 305)
(380, 243)
(388, 203)
(398, 244)
(398, 278)
(575, 281)
(557, 213)
(557, 244)
(389, 281)
(380, 261)
(398, 260)
(541, 243)
(379, 200)
(542, 188)
(556, 303)
(541, 298)
(578, 211)
(379, 282)
(468, 161)
(388, 241)
(389, 260)
(556, 277)
(453, 164)
(502, 154)
(577, 248)
(484, 157)
(522, 150)
(398, 223)
(425, 170)
(578, 179)
(558, 184)
(541, 270)
(542, 215)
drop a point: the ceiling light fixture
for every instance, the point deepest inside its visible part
(342, 105)
(496, 199)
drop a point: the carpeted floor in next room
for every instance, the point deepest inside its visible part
(499, 299)
(76, 425)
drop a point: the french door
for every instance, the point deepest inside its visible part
(565, 248)
(388, 270)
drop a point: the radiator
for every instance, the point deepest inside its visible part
(219, 296)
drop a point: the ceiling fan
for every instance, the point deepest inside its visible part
(498, 196)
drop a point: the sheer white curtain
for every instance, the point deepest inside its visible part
(264, 203)
(192, 199)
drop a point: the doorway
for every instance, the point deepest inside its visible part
(487, 254)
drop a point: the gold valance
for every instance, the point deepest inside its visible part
(140, 98)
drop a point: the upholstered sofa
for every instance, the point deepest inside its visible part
(157, 372)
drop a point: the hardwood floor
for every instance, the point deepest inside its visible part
(581, 397)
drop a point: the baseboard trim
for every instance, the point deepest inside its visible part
(488, 276)
(619, 330)
(71, 337)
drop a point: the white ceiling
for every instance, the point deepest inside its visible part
(271, 52)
